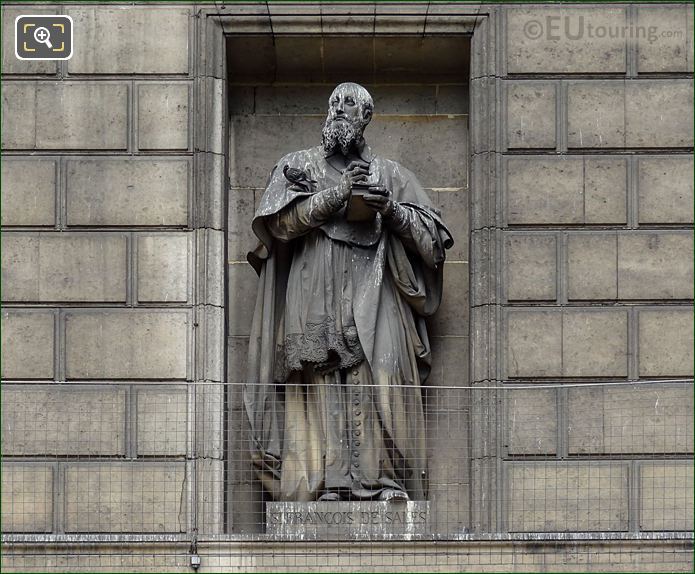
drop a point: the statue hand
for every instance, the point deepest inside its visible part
(356, 171)
(378, 199)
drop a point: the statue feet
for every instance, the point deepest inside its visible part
(393, 495)
(329, 496)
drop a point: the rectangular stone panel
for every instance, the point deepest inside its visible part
(63, 421)
(530, 115)
(594, 343)
(531, 421)
(52, 266)
(27, 497)
(162, 421)
(655, 265)
(163, 261)
(126, 497)
(646, 419)
(65, 115)
(666, 495)
(548, 40)
(605, 190)
(27, 344)
(666, 189)
(12, 65)
(136, 40)
(533, 344)
(663, 47)
(28, 192)
(127, 192)
(163, 116)
(126, 344)
(531, 261)
(566, 497)
(596, 114)
(592, 270)
(666, 342)
(545, 190)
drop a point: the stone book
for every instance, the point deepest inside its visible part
(357, 209)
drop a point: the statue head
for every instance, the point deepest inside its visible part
(350, 109)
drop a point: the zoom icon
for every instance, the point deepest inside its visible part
(43, 37)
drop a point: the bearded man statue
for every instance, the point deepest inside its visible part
(339, 348)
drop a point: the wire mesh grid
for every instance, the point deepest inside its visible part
(158, 476)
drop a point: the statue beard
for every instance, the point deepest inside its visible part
(341, 135)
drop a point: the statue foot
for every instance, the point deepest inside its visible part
(329, 496)
(393, 495)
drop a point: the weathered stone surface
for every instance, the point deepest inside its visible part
(27, 497)
(163, 261)
(664, 46)
(63, 421)
(659, 113)
(596, 114)
(534, 344)
(240, 236)
(566, 496)
(125, 497)
(655, 265)
(594, 343)
(127, 192)
(28, 192)
(545, 190)
(162, 428)
(592, 266)
(126, 345)
(666, 495)
(531, 421)
(65, 115)
(605, 190)
(666, 342)
(243, 282)
(531, 267)
(666, 189)
(63, 267)
(452, 316)
(360, 520)
(531, 115)
(27, 344)
(454, 205)
(121, 41)
(163, 116)
(557, 39)
(631, 420)
(10, 63)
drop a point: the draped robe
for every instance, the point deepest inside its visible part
(338, 346)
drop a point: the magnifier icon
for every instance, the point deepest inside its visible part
(43, 36)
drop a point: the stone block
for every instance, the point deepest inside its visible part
(163, 262)
(541, 190)
(449, 362)
(12, 65)
(454, 206)
(452, 316)
(126, 497)
(666, 189)
(127, 192)
(666, 495)
(28, 192)
(592, 267)
(659, 113)
(567, 497)
(126, 344)
(162, 423)
(237, 360)
(210, 496)
(666, 342)
(65, 115)
(531, 262)
(63, 421)
(243, 283)
(534, 344)
(594, 343)
(240, 236)
(46, 267)
(605, 190)
(531, 421)
(27, 344)
(531, 115)
(596, 114)
(555, 39)
(655, 265)
(643, 419)
(163, 116)
(126, 42)
(663, 45)
(27, 497)
(210, 279)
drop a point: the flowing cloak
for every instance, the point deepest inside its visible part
(383, 261)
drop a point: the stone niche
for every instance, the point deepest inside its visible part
(278, 90)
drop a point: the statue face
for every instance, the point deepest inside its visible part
(349, 112)
(344, 105)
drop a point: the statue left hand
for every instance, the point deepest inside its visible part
(378, 199)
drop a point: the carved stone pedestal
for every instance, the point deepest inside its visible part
(359, 520)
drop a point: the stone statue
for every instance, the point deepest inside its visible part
(350, 263)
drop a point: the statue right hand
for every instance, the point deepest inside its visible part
(355, 172)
